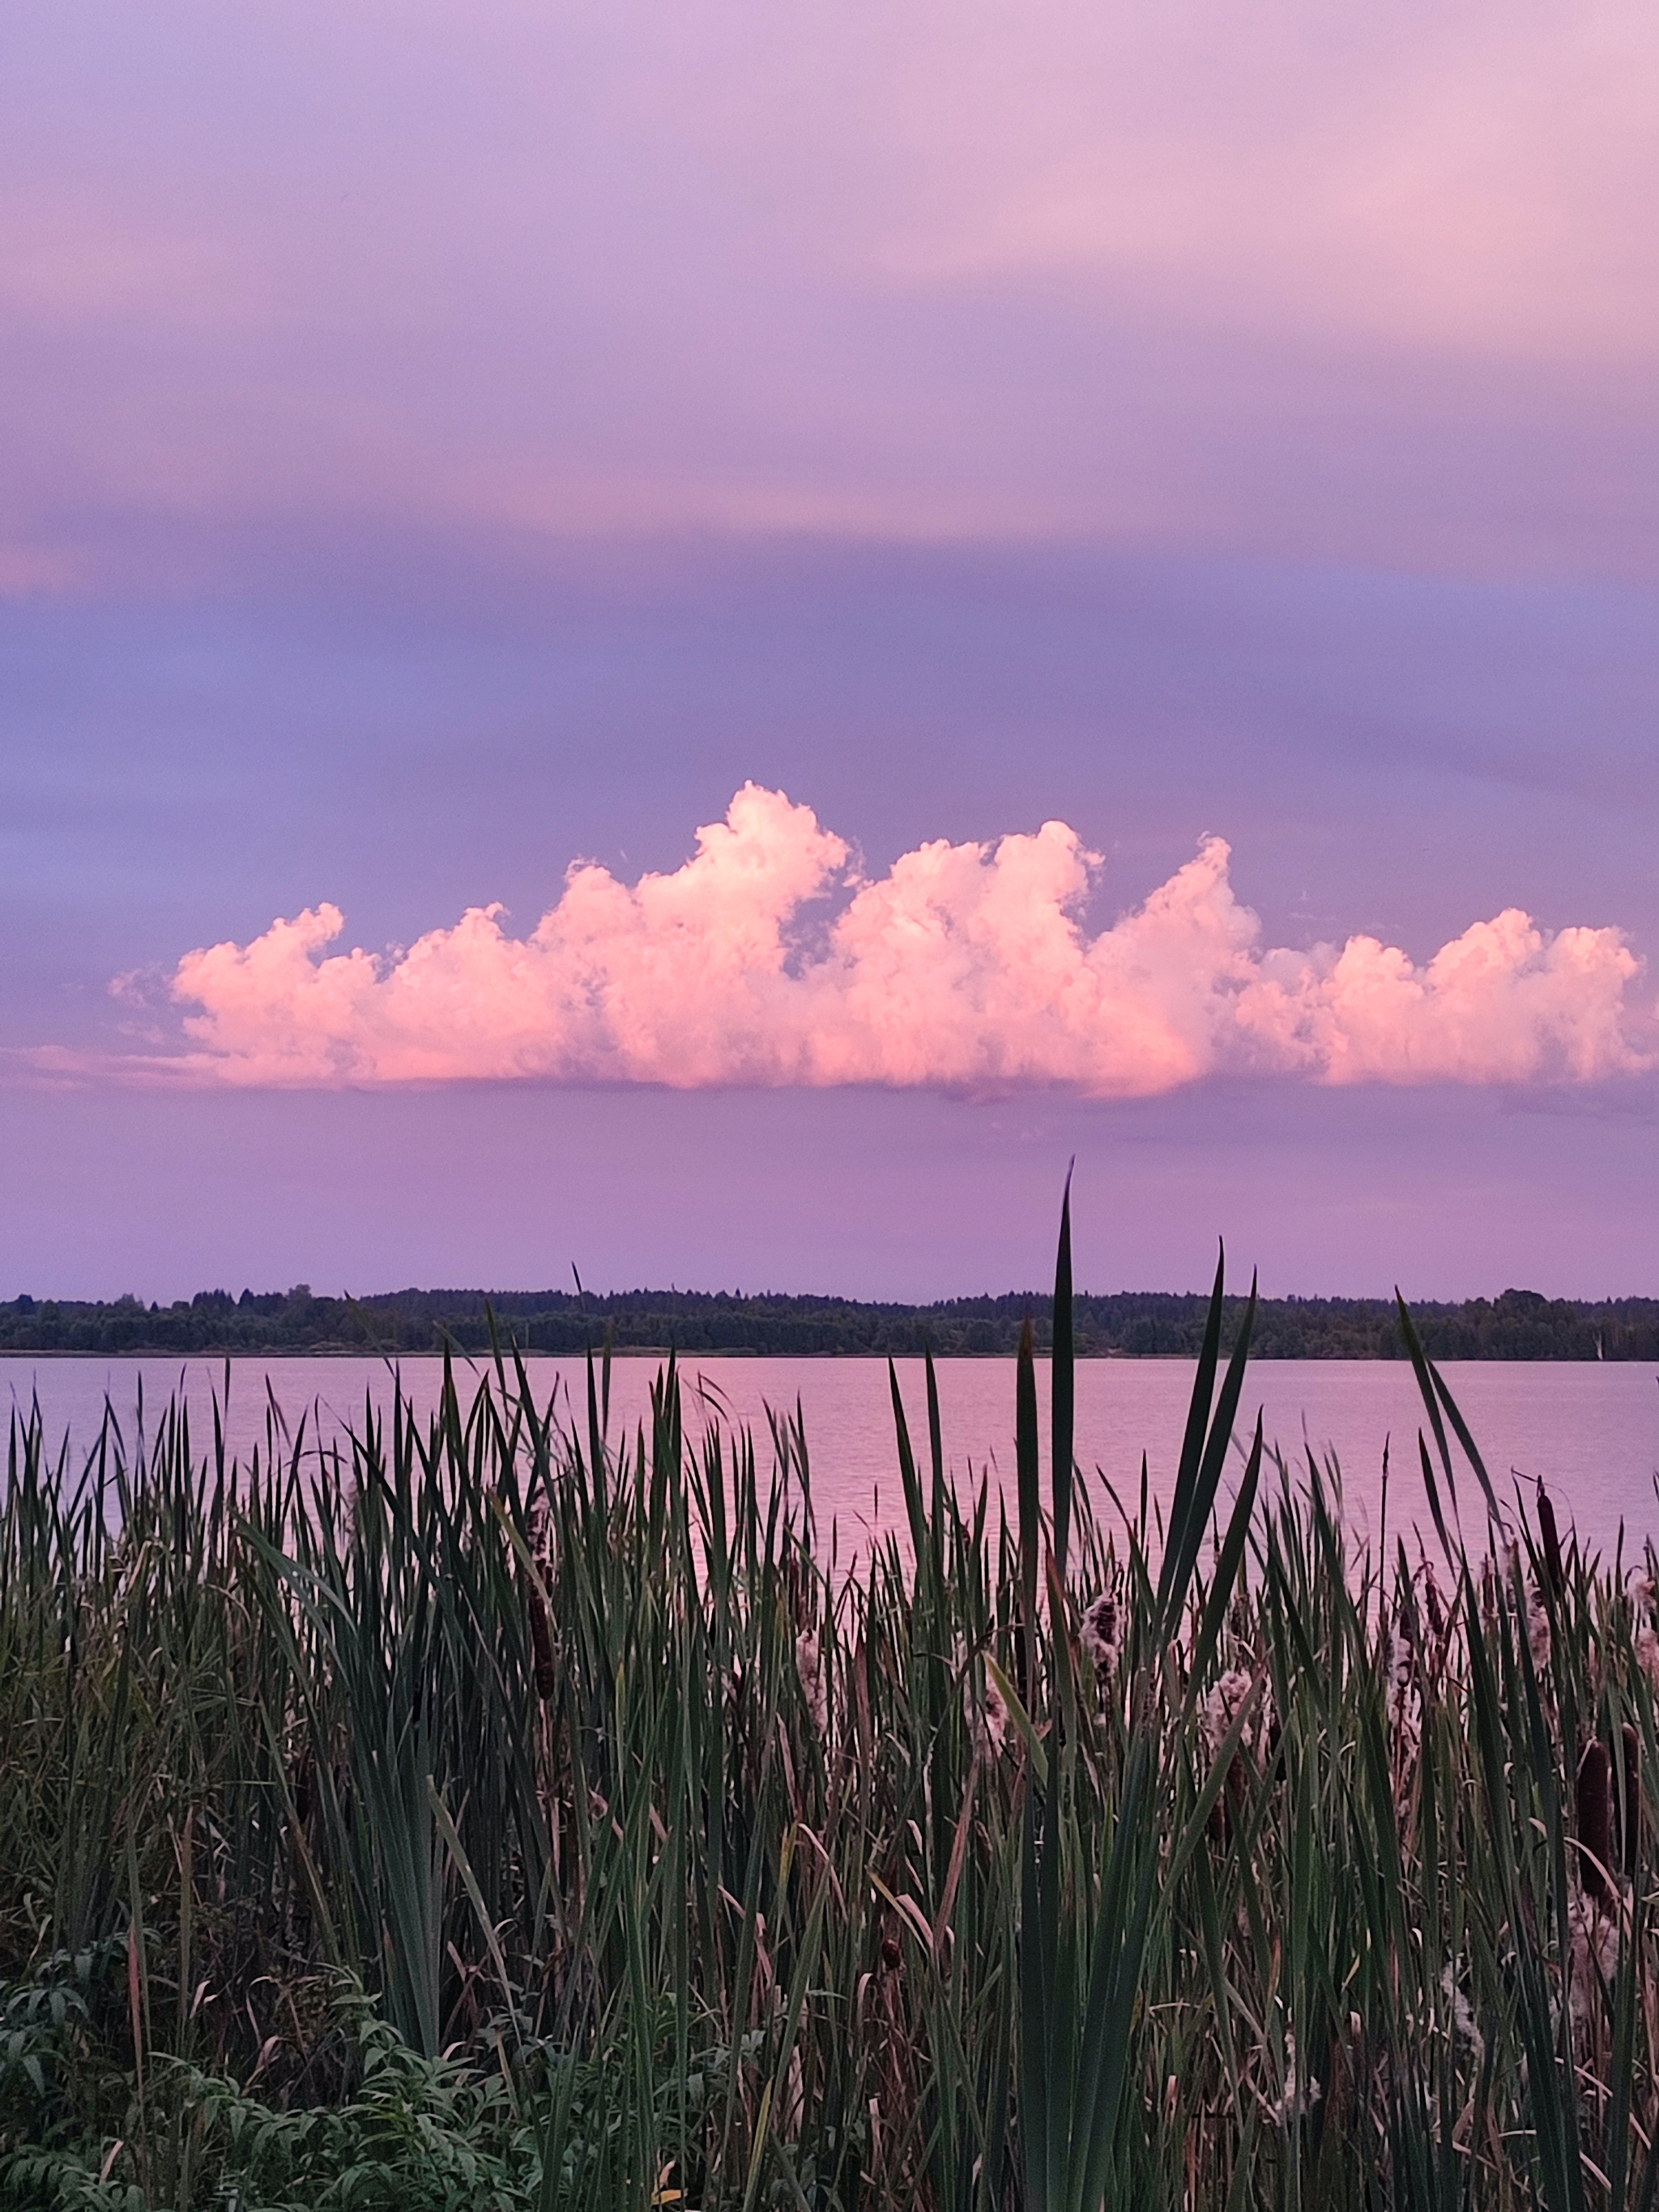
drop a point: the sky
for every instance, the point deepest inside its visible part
(699, 642)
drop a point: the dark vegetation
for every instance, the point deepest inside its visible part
(489, 1813)
(1518, 1325)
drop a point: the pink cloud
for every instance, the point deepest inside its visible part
(769, 960)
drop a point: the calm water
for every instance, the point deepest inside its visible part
(1591, 1432)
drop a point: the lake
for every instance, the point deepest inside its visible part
(1591, 1431)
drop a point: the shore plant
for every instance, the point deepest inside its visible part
(502, 1809)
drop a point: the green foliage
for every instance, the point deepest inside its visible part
(1087, 1857)
(46, 2029)
(417, 2135)
(1142, 1324)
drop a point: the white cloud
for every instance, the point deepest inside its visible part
(966, 968)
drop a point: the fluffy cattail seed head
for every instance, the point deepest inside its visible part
(1220, 1709)
(1101, 1637)
(809, 1665)
(987, 1714)
(1303, 2089)
(1464, 2026)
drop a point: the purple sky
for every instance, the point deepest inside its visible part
(444, 443)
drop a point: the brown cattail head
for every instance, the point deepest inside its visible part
(541, 1649)
(1431, 1602)
(892, 1953)
(1551, 1542)
(1594, 1819)
(1630, 1825)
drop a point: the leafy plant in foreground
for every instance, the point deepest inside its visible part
(1090, 1855)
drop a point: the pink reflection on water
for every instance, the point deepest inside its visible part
(1591, 1432)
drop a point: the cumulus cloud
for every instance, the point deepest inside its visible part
(768, 959)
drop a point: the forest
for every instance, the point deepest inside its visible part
(1517, 1324)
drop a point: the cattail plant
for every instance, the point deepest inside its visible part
(1053, 1859)
(1630, 1820)
(1099, 1636)
(1550, 1545)
(1595, 1807)
(541, 1645)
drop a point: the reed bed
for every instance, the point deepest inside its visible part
(498, 1811)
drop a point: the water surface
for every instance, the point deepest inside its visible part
(1591, 1432)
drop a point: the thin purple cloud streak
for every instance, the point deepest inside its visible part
(961, 273)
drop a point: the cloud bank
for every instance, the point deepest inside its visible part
(769, 960)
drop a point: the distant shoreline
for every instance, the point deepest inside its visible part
(617, 1352)
(1515, 1325)
(683, 1353)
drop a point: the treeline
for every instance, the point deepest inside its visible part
(1518, 1325)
